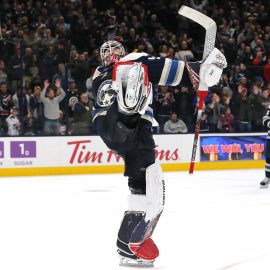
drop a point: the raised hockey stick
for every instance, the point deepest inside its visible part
(210, 36)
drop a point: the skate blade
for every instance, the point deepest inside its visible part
(263, 186)
(136, 263)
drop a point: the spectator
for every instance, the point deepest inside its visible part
(183, 108)
(153, 25)
(247, 57)
(89, 83)
(5, 106)
(94, 60)
(62, 124)
(14, 70)
(72, 97)
(82, 116)
(31, 66)
(175, 125)
(266, 99)
(241, 51)
(132, 39)
(61, 76)
(257, 109)
(37, 111)
(226, 100)
(49, 63)
(22, 102)
(243, 71)
(164, 108)
(243, 115)
(13, 123)
(173, 42)
(230, 51)
(164, 51)
(170, 53)
(266, 43)
(204, 127)
(48, 40)
(80, 71)
(198, 6)
(266, 70)
(242, 85)
(51, 107)
(224, 82)
(184, 53)
(227, 119)
(259, 61)
(214, 110)
(3, 73)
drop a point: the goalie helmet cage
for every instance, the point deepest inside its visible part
(209, 43)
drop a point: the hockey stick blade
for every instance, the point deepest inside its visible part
(210, 36)
(207, 23)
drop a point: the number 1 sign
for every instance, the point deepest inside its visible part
(23, 149)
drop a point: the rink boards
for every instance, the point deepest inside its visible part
(88, 154)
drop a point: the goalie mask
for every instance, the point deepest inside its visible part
(134, 91)
(111, 52)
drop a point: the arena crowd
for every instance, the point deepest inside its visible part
(54, 44)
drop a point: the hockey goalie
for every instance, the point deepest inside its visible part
(124, 119)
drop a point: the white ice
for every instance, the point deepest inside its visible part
(214, 220)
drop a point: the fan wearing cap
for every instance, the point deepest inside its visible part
(13, 122)
(124, 121)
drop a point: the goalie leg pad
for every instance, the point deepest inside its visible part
(155, 191)
(134, 237)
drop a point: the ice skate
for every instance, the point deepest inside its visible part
(265, 182)
(134, 261)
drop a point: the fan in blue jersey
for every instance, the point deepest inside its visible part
(124, 120)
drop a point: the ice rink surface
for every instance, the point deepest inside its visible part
(214, 220)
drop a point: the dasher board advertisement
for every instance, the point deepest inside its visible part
(232, 147)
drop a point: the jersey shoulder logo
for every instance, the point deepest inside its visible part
(105, 95)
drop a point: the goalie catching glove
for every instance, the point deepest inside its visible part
(212, 67)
